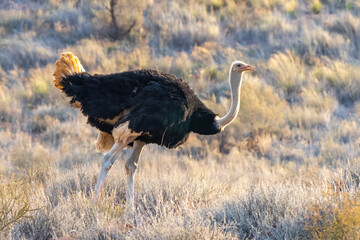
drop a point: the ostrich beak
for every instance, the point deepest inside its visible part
(248, 68)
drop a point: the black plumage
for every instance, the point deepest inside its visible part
(158, 105)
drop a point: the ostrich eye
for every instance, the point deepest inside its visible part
(239, 65)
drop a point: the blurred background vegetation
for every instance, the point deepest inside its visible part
(297, 132)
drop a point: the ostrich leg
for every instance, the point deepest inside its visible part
(130, 167)
(107, 162)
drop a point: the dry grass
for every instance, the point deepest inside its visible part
(270, 175)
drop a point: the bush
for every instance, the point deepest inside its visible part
(338, 217)
(316, 6)
(343, 79)
(14, 204)
(315, 42)
(31, 160)
(291, 6)
(261, 109)
(288, 72)
(121, 18)
(169, 32)
(262, 112)
(333, 154)
(315, 109)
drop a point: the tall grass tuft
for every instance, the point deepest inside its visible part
(342, 78)
(288, 72)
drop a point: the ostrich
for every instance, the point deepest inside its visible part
(134, 108)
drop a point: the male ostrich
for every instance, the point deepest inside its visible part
(138, 107)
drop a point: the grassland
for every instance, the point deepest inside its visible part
(287, 168)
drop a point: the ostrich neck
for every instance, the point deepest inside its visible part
(235, 86)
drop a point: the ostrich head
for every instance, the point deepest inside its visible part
(239, 67)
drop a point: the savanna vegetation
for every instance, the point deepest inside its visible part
(287, 168)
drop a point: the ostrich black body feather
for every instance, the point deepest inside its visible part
(159, 106)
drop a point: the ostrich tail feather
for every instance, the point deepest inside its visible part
(67, 65)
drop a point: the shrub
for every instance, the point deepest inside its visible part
(307, 118)
(261, 109)
(316, 6)
(343, 79)
(14, 201)
(10, 109)
(276, 24)
(347, 131)
(288, 71)
(24, 54)
(31, 160)
(178, 29)
(332, 154)
(181, 66)
(338, 217)
(320, 101)
(315, 42)
(315, 110)
(123, 18)
(40, 82)
(291, 6)
(348, 26)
